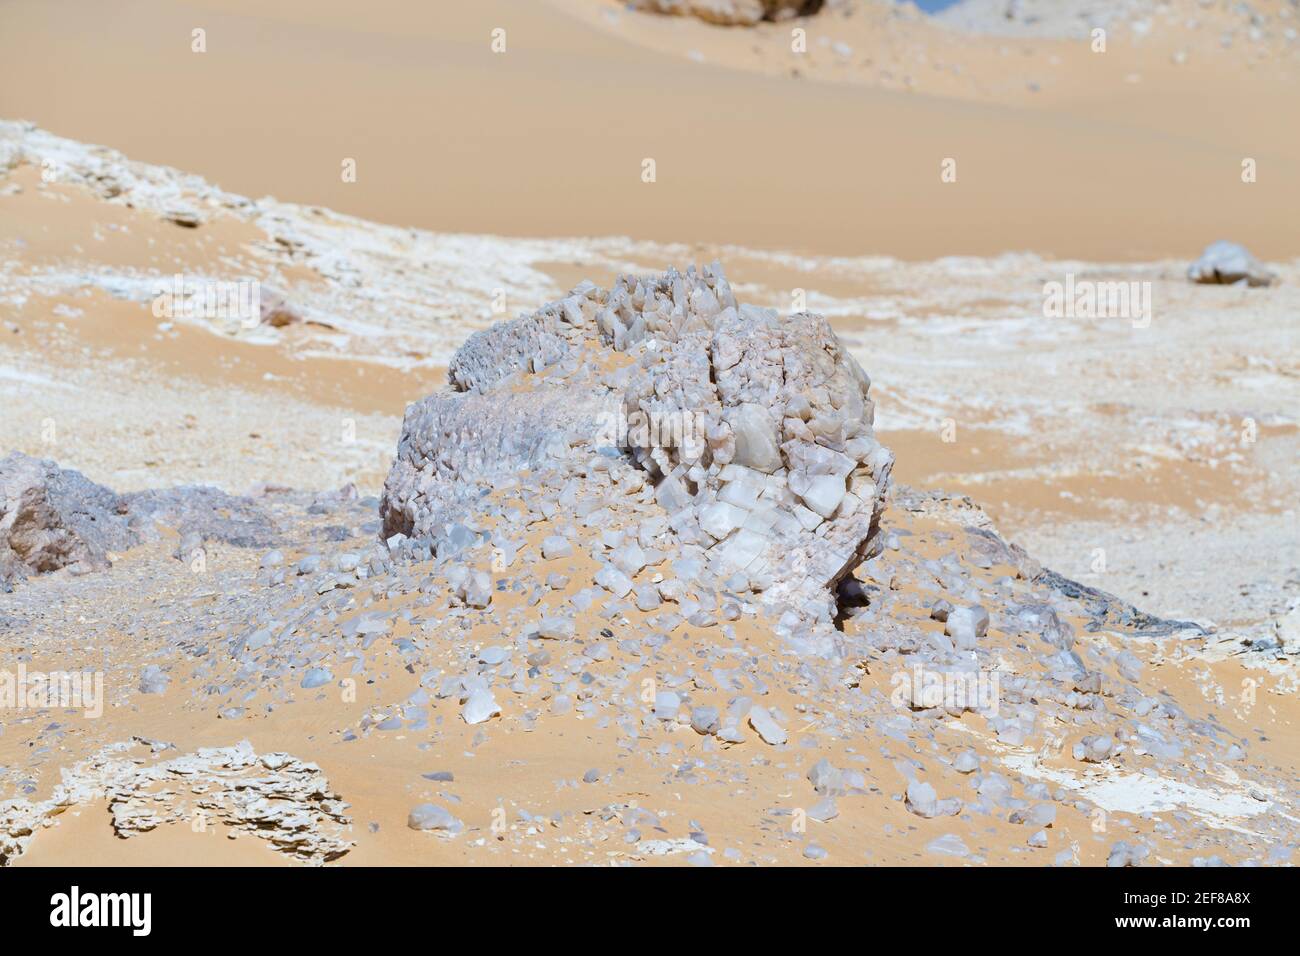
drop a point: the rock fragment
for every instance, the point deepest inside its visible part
(922, 800)
(1226, 263)
(430, 816)
(480, 706)
(766, 725)
(1094, 748)
(704, 720)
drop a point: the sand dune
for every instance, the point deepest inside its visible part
(448, 135)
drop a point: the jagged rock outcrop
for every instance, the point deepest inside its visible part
(273, 796)
(732, 12)
(748, 437)
(53, 518)
(1226, 263)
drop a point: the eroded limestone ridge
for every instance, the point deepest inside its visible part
(731, 435)
(275, 797)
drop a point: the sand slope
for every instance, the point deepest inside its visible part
(549, 137)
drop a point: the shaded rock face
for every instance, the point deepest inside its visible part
(53, 518)
(208, 513)
(1226, 263)
(738, 438)
(732, 12)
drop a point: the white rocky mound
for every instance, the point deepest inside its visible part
(720, 433)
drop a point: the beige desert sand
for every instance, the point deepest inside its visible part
(1170, 449)
(1118, 156)
(514, 783)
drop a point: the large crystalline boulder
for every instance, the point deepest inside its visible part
(753, 432)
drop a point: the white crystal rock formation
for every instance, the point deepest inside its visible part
(752, 431)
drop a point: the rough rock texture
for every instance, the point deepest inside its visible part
(1226, 263)
(1107, 611)
(732, 12)
(1287, 630)
(750, 434)
(275, 797)
(210, 513)
(52, 518)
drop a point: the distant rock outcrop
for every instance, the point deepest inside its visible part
(732, 12)
(53, 518)
(1226, 263)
